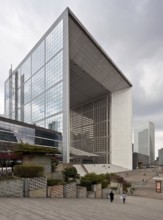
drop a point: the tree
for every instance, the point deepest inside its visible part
(70, 172)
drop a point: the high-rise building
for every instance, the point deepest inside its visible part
(144, 139)
(160, 157)
(68, 83)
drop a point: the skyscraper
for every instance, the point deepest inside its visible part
(68, 83)
(144, 139)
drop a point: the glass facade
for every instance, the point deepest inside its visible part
(12, 132)
(36, 86)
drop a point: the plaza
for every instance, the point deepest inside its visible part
(80, 209)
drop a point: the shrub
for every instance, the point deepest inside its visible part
(86, 182)
(114, 188)
(54, 164)
(28, 171)
(70, 172)
(126, 185)
(34, 149)
(104, 183)
(53, 182)
(89, 179)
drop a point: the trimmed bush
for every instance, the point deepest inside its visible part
(53, 182)
(114, 188)
(86, 182)
(28, 171)
(104, 183)
(126, 185)
(70, 172)
(89, 179)
(33, 149)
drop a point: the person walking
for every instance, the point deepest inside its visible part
(123, 197)
(111, 196)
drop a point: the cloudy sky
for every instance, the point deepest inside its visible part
(130, 31)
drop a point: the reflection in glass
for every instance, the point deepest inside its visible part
(10, 132)
(54, 70)
(38, 58)
(27, 113)
(55, 122)
(38, 83)
(26, 69)
(54, 99)
(27, 91)
(38, 108)
(54, 41)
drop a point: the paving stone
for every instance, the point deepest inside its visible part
(136, 208)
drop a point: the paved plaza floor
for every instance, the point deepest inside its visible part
(136, 208)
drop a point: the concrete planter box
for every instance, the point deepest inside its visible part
(11, 188)
(55, 191)
(98, 191)
(91, 195)
(81, 192)
(69, 190)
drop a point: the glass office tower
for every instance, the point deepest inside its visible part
(144, 139)
(69, 84)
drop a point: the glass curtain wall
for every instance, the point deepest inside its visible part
(39, 84)
(10, 132)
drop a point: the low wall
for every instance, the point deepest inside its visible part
(37, 187)
(91, 195)
(81, 192)
(23, 187)
(97, 189)
(55, 191)
(11, 188)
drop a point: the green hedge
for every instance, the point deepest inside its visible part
(28, 171)
(53, 182)
(34, 149)
(70, 172)
(89, 179)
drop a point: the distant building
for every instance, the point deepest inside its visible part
(160, 157)
(68, 83)
(140, 160)
(144, 139)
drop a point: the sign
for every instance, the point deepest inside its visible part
(158, 186)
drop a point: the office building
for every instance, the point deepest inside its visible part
(140, 161)
(144, 139)
(68, 83)
(12, 131)
(160, 157)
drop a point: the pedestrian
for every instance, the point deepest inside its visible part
(123, 197)
(111, 196)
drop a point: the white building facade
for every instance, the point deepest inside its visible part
(68, 83)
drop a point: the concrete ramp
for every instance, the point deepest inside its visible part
(80, 169)
(83, 169)
(104, 168)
